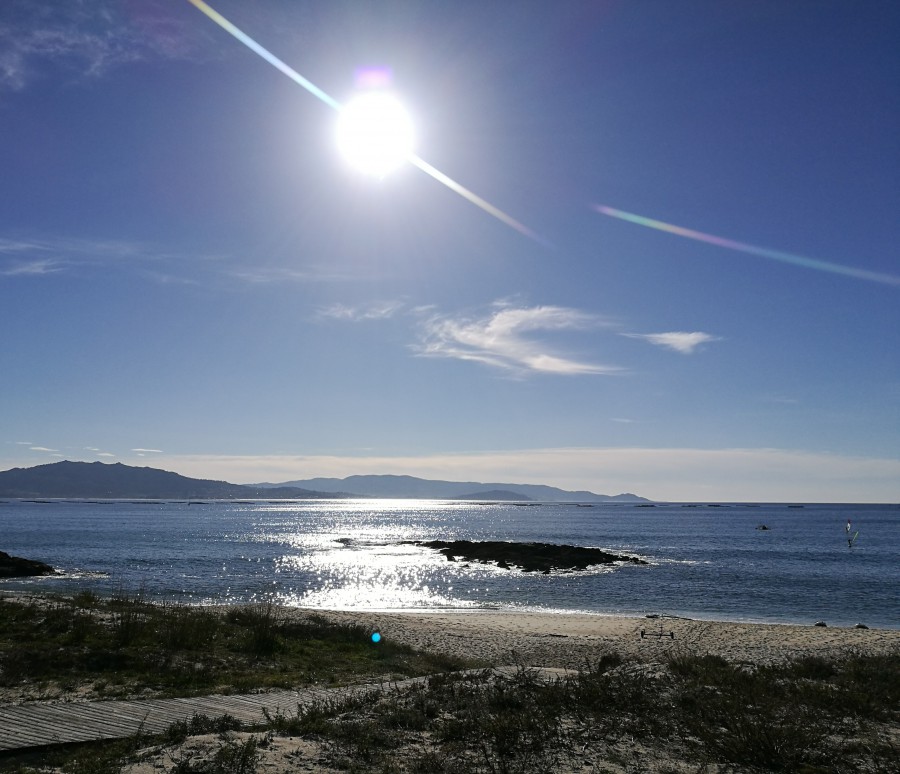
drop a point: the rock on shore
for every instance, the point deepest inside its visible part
(16, 567)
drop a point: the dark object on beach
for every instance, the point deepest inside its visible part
(16, 567)
(860, 626)
(659, 635)
(529, 557)
(820, 623)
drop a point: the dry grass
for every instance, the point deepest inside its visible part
(691, 713)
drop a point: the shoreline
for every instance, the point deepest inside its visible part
(571, 639)
(475, 610)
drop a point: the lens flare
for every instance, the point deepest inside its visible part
(743, 247)
(278, 64)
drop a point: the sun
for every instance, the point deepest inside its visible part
(375, 133)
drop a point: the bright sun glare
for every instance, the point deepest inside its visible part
(375, 133)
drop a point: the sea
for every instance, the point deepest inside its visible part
(710, 561)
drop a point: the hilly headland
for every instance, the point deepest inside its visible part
(117, 481)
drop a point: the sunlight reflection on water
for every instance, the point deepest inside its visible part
(344, 554)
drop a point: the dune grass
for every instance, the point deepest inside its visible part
(690, 713)
(126, 646)
(693, 713)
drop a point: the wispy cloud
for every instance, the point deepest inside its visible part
(679, 341)
(32, 268)
(505, 339)
(19, 246)
(266, 275)
(379, 310)
(53, 254)
(81, 39)
(148, 451)
(42, 449)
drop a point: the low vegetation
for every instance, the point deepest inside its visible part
(127, 646)
(691, 713)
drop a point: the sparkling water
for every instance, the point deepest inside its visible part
(704, 561)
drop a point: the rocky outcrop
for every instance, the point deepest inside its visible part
(16, 567)
(528, 557)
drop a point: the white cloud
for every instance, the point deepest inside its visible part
(148, 451)
(42, 449)
(53, 254)
(105, 454)
(680, 341)
(501, 340)
(31, 268)
(87, 39)
(18, 246)
(379, 310)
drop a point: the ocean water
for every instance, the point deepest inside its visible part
(704, 561)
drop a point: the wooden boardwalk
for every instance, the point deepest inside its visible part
(39, 725)
(24, 726)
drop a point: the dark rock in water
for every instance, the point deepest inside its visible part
(860, 626)
(763, 527)
(16, 567)
(820, 623)
(529, 557)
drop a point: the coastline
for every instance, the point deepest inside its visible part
(570, 640)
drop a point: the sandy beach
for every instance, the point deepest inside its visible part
(567, 641)
(560, 643)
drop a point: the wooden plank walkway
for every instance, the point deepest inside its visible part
(25, 726)
(39, 725)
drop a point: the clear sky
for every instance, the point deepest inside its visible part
(703, 302)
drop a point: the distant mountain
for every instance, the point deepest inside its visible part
(411, 487)
(118, 481)
(100, 480)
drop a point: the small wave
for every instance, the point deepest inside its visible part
(656, 561)
(81, 574)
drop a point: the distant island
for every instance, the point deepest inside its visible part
(86, 480)
(412, 487)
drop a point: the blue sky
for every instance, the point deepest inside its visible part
(192, 277)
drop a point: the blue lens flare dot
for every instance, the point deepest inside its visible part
(376, 637)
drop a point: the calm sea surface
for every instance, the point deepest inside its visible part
(704, 561)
